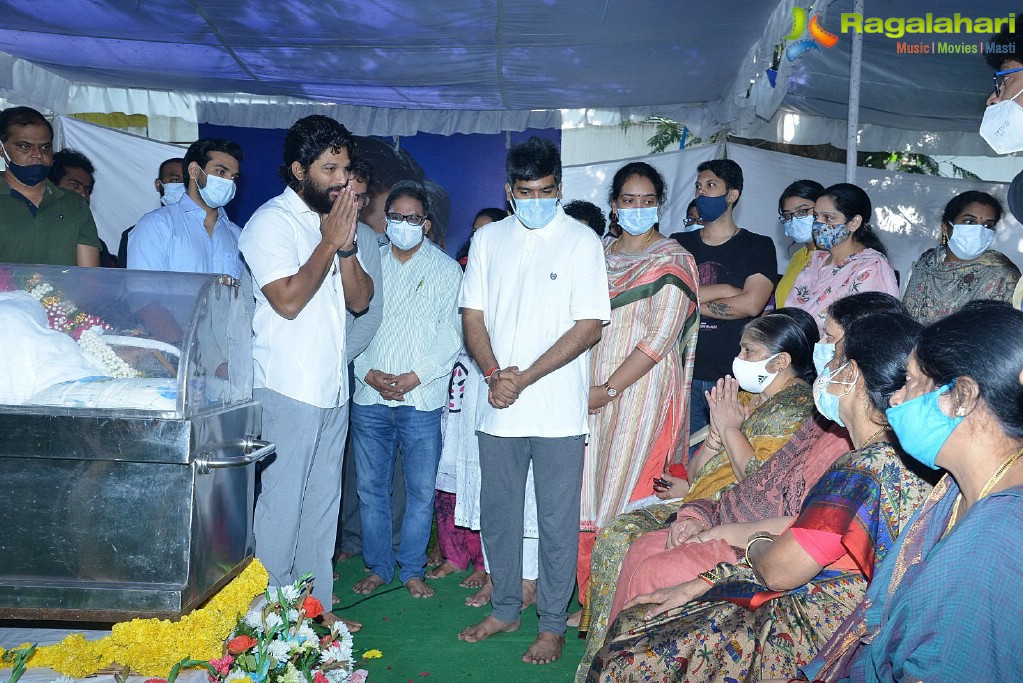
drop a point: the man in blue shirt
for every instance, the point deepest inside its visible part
(194, 235)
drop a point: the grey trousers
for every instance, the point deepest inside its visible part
(557, 480)
(297, 509)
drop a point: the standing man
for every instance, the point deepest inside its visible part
(300, 247)
(738, 269)
(402, 387)
(170, 186)
(39, 222)
(194, 234)
(534, 298)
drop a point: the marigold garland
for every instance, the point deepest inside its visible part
(152, 646)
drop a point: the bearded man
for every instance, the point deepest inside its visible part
(300, 248)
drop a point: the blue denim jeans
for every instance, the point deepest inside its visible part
(699, 411)
(377, 431)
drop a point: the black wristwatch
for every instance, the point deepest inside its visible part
(350, 252)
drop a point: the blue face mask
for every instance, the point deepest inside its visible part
(535, 213)
(30, 175)
(826, 402)
(922, 427)
(711, 208)
(822, 355)
(637, 221)
(218, 191)
(826, 236)
(799, 229)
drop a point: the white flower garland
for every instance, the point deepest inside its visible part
(102, 356)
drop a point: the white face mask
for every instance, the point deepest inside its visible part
(218, 191)
(752, 375)
(800, 229)
(970, 241)
(172, 192)
(1002, 126)
(403, 235)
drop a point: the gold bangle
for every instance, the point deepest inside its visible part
(759, 536)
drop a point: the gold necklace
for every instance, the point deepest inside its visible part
(873, 436)
(1002, 470)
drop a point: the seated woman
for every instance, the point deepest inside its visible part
(850, 257)
(961, 560)
(795, 211)
(963, 268)
(783, 342)
(765, 615)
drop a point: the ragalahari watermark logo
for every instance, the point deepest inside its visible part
(977, 29)
(819, 37)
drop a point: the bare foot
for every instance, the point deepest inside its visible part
(575, 618)
(482, 596)
(475, 580)
(545, 649)
(417, 588)
(368, 584)
(434, 557)
(443, 570)
(528, 593)
(342, 556)
(487, 628)
(328, 619)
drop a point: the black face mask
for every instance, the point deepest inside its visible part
(27, 175)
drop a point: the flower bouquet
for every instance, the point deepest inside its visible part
(275, 643)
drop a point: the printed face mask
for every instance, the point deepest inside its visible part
(403, 235)
(922, 426)
(970, 241)
(752, 375)
(799, 229)
(826, 236)
(535, 213)
(1002, 127)
(711, 208)
(637, 221)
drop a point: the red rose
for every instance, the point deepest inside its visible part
(312, 607)
(240, 644)
(318, 677)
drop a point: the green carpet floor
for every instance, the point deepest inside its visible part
(418, 637)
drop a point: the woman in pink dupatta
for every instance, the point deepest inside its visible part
(641, 368)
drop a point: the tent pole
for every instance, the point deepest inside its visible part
(852, 131)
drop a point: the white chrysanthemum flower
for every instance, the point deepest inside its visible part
(338, 651)
(273, 620)
(291, 592)
(306, 632)
(254, 619)
(293, 615)
(279, 649)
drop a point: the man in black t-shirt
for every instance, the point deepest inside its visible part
(737, 273)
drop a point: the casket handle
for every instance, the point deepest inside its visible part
(206, 460)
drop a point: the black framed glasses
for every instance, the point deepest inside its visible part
(689, 221)
(999, 79)
(786, 216)
(411, 219)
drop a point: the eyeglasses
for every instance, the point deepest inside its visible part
(689, 221)
(362, 200)
(1000, 79)
(786, 216)
(411, 219)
